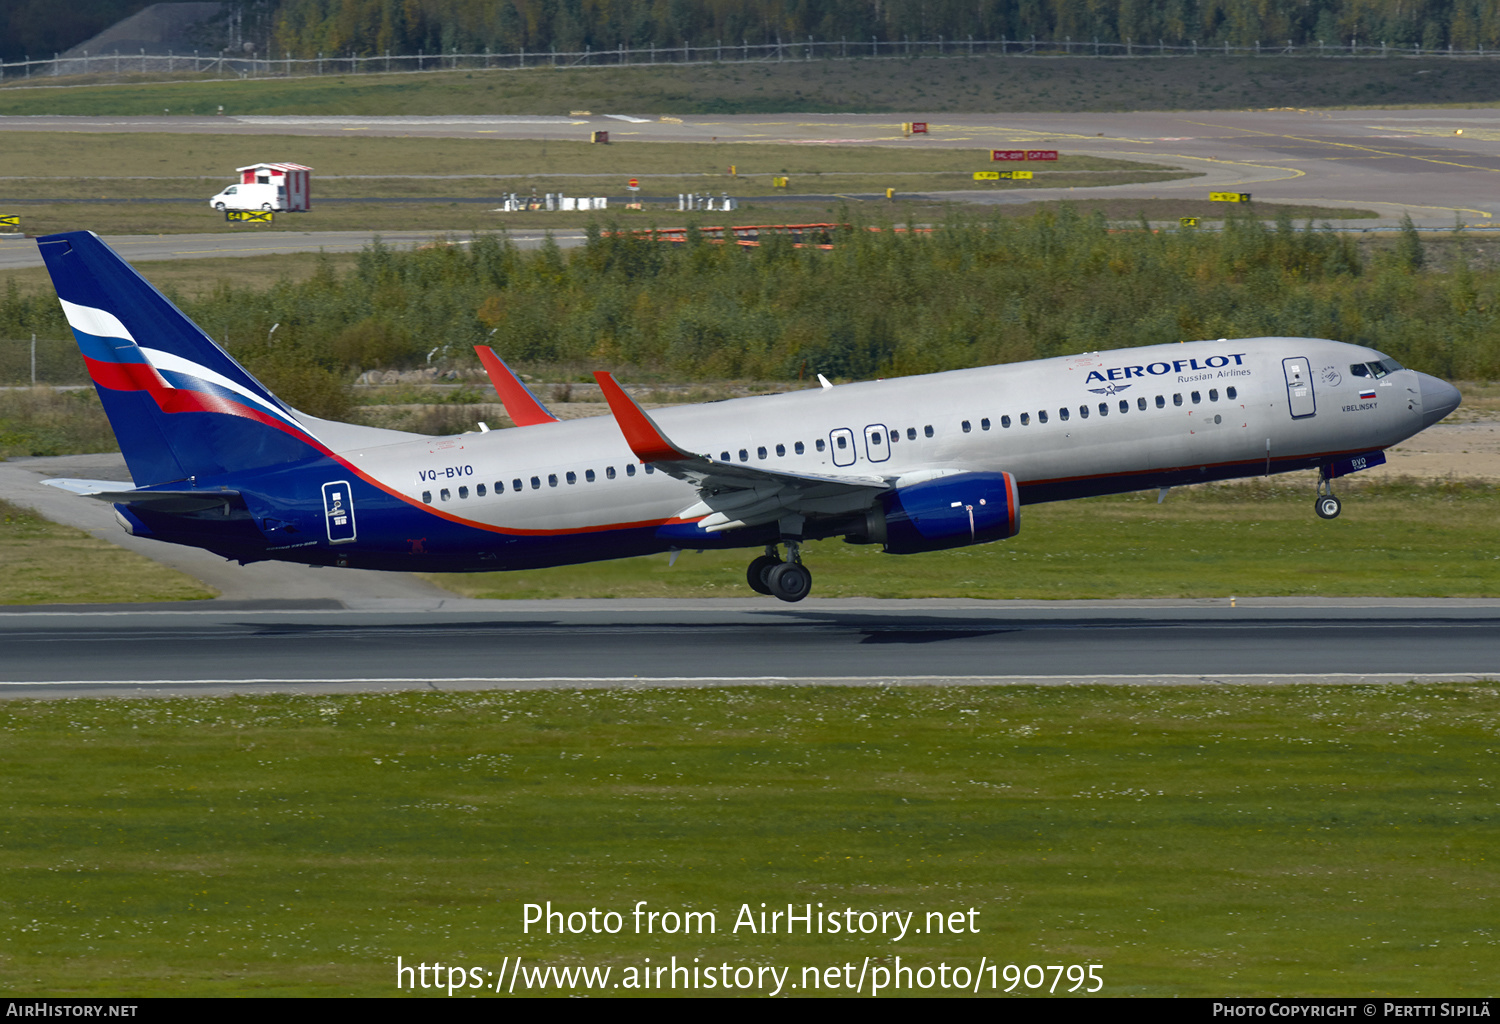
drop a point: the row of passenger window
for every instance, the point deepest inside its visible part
(1141, 403)
(536, 483)
(840, 440)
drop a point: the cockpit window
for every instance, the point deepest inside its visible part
(1377, 368)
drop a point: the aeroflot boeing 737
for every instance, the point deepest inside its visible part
(915, 464)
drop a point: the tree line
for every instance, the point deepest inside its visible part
(367, 27)
(371, 27)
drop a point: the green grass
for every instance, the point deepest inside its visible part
(1395, 539)
(66, 156)
(51, 168)
(915, 86)
(44, 563)
(43, 421)
(179, 279)
(1194, 841)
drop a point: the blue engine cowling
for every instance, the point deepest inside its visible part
(950, 512)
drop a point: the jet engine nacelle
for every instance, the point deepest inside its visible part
(946, 512)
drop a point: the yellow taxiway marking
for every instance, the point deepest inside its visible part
(1482, 134)
(1290, 172)
(1399, 206)
(1367, 149)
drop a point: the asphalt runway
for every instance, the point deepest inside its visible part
(317, 647)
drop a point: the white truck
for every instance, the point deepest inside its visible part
(250, 197)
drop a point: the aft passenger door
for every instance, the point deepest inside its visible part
(338, 512)
(1299, 387)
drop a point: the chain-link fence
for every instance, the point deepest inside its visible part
(222, 65)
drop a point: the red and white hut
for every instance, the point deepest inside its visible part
(295, 177)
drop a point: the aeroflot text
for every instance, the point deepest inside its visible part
(793, 920)
(1157, 369)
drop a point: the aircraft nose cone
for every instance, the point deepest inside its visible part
(1439, 398)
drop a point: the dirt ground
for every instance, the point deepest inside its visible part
(1462, 450)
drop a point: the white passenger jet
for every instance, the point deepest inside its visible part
(914, 464)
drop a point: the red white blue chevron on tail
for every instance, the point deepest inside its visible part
(174, 397)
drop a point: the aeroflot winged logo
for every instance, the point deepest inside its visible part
(1186, 369)
(116, 360)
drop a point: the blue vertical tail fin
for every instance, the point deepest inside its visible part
(179, 404)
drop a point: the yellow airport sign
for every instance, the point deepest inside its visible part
(1229, 197)
(248, 216)
(986, 175)
(11, 221)
(779, 182)
(1188, 222)
(1016, 175)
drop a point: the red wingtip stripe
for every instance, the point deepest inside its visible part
(520, 404)
(647, 441)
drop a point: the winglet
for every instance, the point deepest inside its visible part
(520, 404)
(644, 437)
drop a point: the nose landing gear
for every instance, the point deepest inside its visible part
(1327, 506)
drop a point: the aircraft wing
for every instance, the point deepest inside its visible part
(736, 495)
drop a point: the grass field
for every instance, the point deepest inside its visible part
(916, 86)
(43, 421)
(62, 180)
(1259, 538)
(44, 563)
(1193, 841)
(65, 156)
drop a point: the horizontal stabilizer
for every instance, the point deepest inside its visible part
(175, 502)
(87, 488)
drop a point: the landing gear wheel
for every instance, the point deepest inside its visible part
(1328, 507)
(758, 571)
(219, 207)
(789, 581)
(265, 206)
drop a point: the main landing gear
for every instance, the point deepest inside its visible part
(1327, 505)
(788, 580)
